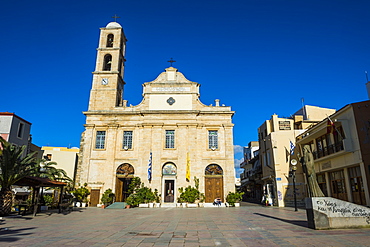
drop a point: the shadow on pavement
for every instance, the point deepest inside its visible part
(302, 223)
(8, 235)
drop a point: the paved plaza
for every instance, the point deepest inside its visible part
(244, 226)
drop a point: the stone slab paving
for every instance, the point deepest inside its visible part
(147, 227)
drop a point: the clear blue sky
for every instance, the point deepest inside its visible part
(258, 56)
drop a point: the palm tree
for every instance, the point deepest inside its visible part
(47, 169)
(14, 166)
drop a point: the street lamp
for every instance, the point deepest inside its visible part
(294, 169)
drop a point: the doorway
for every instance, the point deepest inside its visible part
(94, 197)
(169, 190)
(169, 171)
(124, 174)
(214, 188)
(122, 188)
(214, 184)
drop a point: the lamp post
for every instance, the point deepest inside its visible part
(294, 169)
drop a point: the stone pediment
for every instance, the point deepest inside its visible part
(171, 75)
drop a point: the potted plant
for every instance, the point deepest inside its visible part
(81, 194)
(140, 195)
(234, 197)
(191, 194)
(107, 198)
(48, 201)
(157, 198)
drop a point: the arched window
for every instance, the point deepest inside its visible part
(125, 170)
(213, 169)
(107, 62)
(110, 39)
(169, 169)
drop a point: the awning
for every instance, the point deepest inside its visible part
(41, 182)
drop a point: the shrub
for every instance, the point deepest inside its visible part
(232, 198)
(108, 197)
(139, 193)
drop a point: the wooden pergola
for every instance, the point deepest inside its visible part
(36, 183)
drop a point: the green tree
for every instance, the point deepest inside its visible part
(14, 166)
(108, 197)
(139, 193)
(47, 169)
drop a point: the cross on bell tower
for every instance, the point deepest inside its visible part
(115, 17)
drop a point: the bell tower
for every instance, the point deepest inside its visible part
(107, 85)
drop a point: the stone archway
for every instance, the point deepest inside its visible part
(124, 174)
(213, 180)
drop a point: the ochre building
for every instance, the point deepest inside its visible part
(169, 137)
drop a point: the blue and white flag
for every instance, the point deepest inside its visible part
(150, 167)
(292, 147)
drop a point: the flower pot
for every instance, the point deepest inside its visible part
(128, 206)
(103, 206)
(144, 205)
(237, 204)
(157, 205)
(151, 205)
(192, 205)
(178, 205)
(78, 204)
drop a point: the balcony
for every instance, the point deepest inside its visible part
(331, 149)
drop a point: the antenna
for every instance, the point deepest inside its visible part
(367, 78)
(303, 110)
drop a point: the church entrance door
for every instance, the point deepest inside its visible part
(214, 188)
(169, 189)
(124, 174)
(214, 184)
(169, 171)
(122, 185)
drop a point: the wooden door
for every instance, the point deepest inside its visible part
(214, 188)
(122, 185)
(94, 197)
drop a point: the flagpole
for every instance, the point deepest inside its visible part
(335, 127)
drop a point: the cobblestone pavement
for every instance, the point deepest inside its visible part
(244, 226)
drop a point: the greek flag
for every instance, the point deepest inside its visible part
(292, 147)
(150, 167)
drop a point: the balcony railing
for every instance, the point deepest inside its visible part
(331, 149)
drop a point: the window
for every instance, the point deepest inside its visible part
(213, 139)
(338, 186)
(127, 140)
(110, 39)
(20, 130)
(100, 140)
(107, 62)
(170, 139)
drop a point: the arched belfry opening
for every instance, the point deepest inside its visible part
(169, 172)
(110, 39)
(107, 62)
(124, 174)
(213, 180)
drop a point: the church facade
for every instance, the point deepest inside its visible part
(166, 140)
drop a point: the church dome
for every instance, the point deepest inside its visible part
(113, 24)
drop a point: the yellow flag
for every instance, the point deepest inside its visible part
(187, 167)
